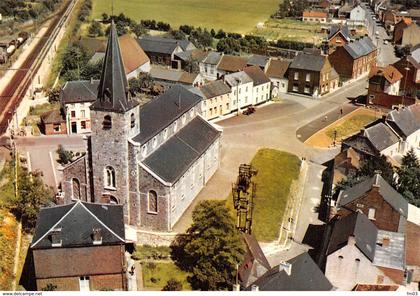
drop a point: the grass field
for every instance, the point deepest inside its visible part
(350, 126)
(156, 275)
(289, 29)
(239, 16)
(276, 171)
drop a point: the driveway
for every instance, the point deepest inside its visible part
(272, 126)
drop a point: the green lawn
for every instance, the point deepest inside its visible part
(239, 16)
(276, 171)
(156, 275)
(350, 126)
(289, 29)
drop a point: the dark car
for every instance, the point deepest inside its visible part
(249, 110)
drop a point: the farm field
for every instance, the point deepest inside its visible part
(239, 16)
(291, 30)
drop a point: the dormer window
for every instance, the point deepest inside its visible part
(56, 240)
(192, 112)
(165, 133)
(175, 126)
(107, 123)
(154, 142)
(184, 118)
(144, 150)
(97, 236)
(133, 120)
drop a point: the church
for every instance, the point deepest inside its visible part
(153, 159)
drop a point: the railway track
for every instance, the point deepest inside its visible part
(12, 95)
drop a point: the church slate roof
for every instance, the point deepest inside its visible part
(171, 160)
(113, 94)
(80, 91)
(163, 110)
(361, 228)
(77, 222)
(389, 194)
(305, 276)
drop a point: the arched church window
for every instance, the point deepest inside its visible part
(109, 177)
(152, 201)
(75, 188)
(107, 123)
(133, 120)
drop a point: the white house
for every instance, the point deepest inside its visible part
(358, 16)
(261, 88)
(277, 72)
(208, 66)
(242, 88)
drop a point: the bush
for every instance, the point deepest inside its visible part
(64, 155)
(172, 285)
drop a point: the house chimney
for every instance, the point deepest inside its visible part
(97, 236)
(56, 240)
(286, 266)
(255, 288)
(385, 241)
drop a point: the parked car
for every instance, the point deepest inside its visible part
(249, 110)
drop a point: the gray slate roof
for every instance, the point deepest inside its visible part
(237, 78)
(213, 58)
(393, 255)
(305, 276)
(257, 75)
(113, 94)
(215, 89)
(163, 110)
(360, 47)
(403, 121)
(171, 160)
(381, 136)
(258, 60)
(79, 91)
(77, 222)
(310, 62)
(337, 28)
(359, 226)
(162, 45)
(389, 194)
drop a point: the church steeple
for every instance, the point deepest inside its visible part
(113, 94)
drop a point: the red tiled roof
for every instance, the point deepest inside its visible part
(314, 13)
(231, 63)
(132, 54)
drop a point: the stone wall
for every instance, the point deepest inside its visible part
(76, 170)
(155, 238)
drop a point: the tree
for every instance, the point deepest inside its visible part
(409, 178)
(92, 71)
(64, 156)
(95, 29)
(139, 30)
(54, 94)
(172, 285)
(228, 45)
(32, 195)
(211, 248)
(74, 58)
(378, 164)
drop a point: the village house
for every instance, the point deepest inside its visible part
(312, 75)
(277, 72)
(338, 35)
(399, 29)
(53, 123)
(216, 99)
(76, 98)
(409, 67)
(135, 59)
(358, 16)
(168, 77)
(259, 60)
(392, 17)
(315, 16)
(153, 160)
(230, 64)
(189, 60)
(162, 50)
(299, 273)
(411, 35)
(80, 247)
(358, 252)
(241, 90)
(208, 65)
(384, 80)
(261, 87)
(376, 199)
(354, 59)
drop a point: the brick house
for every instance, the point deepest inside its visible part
(80, 247)
(311, 74)
(153, 160)
(409, 67)
(376, 199)
(338, 36)
(53, 123)
(354, 59)
(315, 16)
(357, 252)
(384, 80)
(399, 29)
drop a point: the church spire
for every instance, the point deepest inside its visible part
(113, 94)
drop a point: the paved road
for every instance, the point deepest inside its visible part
(272, 126)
